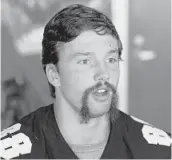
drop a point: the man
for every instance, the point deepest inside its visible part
(81, 54)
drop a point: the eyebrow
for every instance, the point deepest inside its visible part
(113, 51)
(84, 54)
(92, 53)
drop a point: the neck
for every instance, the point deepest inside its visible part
(74, 132)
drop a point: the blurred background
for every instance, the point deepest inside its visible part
(144, 27)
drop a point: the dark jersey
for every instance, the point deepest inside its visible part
(37, 136)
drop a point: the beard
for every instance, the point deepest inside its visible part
(113, 111)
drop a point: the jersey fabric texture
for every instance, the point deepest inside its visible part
(37, 136)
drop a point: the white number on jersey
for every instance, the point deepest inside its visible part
(154, 135)
(11, 129)
(15, 145)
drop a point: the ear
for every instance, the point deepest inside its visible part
(53, 75)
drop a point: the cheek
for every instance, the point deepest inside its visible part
(114, 77)
(73, 85)
(76, 80)
(69, 87)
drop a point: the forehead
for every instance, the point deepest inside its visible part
(89, 41)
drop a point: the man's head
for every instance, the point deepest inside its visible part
(81, 53)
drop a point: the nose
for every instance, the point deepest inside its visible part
(101, 75)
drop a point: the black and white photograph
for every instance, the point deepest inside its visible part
(85, 79)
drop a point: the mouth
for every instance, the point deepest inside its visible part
(101, 94)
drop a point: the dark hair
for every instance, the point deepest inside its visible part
(66, 25)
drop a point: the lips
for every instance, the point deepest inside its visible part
(101, 91)
(101, 94)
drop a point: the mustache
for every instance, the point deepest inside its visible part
(98, 85)
(85, 109)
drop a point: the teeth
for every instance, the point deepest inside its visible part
(101, 90)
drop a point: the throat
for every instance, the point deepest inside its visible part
(74, 132)
(89, 137)
(85, 134)
(92, 151)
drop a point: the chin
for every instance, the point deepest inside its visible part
(99, 113)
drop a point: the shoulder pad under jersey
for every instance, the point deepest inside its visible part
(145, 140)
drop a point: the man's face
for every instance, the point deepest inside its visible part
(89, 73)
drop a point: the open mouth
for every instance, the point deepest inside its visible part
(101, 94)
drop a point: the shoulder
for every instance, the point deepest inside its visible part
(150, 133)
(20, 138)
(14, 142)
(36, 116)
(146, 140)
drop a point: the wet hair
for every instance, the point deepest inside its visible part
(69, 23)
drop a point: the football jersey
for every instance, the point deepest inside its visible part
(37, 136)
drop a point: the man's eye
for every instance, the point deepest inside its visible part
(85, 61)
(111, 60)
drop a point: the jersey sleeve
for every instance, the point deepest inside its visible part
(145, 141)
(22, 140)
(14, 142)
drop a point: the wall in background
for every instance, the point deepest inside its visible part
(150, 61)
